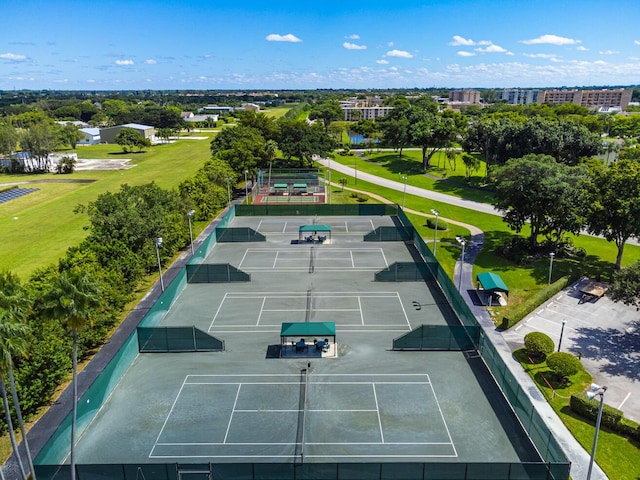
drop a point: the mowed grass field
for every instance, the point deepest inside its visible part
(37, 229)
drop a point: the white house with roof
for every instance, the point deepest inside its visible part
(91, 136)
(108, 135)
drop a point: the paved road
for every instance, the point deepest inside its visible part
(418, 192)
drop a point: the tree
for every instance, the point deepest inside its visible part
(165, 133)
(72, 298)
(327, 111)
(563, 364)
(614, 202)
(39, 141)
(299, 139)
(14, 333)
(129, 138)
(9, 139)
(70, 134)
(625, 286)
(432, 132)
(471, 165)
(538, 343)
(243, 148)
(66, 165)
(539, 191)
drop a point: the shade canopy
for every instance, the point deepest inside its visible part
(308, 329)
(492, 282)
(314, 228)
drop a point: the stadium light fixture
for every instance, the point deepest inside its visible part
(561, 332)
(190, 214)
(593, 392)
(158, 242)
(435, 233)
(404, 191)
(462, 241)
(246, 191)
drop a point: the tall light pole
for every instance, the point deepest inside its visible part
(404, 191)
(435, 233)
(462, 241)
(355, 167)
(246, 191)
(189, 215)
(158, 242)
(329, 189)
(228, 192)
(593, 392)
(561, 332)
(551, 255)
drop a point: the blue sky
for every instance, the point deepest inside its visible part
(234, 44)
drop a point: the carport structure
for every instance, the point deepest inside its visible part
(490, 286)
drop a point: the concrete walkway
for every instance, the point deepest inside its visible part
(578, 457)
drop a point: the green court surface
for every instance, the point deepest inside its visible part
(359, 402)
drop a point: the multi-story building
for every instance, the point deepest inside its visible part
(364, 113)
(515, 96)
(464, 96)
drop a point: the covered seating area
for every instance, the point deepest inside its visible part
(308, 339)
(491, 289)
(314, 233)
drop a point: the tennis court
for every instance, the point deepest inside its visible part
(365, 403)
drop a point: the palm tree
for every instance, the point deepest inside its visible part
(13, 341)
(72, 298)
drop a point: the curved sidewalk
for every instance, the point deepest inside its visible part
(577, 455)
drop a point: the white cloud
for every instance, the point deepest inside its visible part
(124, 62)
(150, 61)
(608, 52)
(540, 55)
(467, 42)
(492, 49)
(637, 42)
(582, 49)
(399, 53)
(382, 61)
(353, 36)
(276, 37)
(390, 44)
(353, 46)
(551, 40)
(462, 53)
(12, 56)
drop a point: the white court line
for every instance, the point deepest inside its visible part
(443, 420)
(346, 226)
(246, 251)
(275, 260)
(218, 311)
(375, 396)
(259, 225)
(353, 265)
(284, 229)
(373, 227)
(406, 317)
(384, 257)
(623, 401)
(294, 294)
(264, 299)
(235, 402)
(164, 424)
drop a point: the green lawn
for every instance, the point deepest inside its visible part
(37, 229)
(619, 457)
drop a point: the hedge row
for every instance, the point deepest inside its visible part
(431, 223)
(612, 418)
(535, 301)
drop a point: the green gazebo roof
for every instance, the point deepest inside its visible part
(492, 282)
(315, 228)
(308, 329)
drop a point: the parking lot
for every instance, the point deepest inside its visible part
(604, 334)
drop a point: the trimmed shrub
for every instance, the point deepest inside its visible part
(563, 364)
(538, 343)
(585, 407)
(630, 429)
(535, 301)
(431, 223)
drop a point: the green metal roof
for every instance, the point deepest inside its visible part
(315, 228)
(299, 185)
(280, 185)
(492, 281)
(308, 329)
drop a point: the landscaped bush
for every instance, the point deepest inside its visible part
(431, 223)
(534, 302)
(630, 429)
(563, 364)
(538, 344)
(588, 408)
